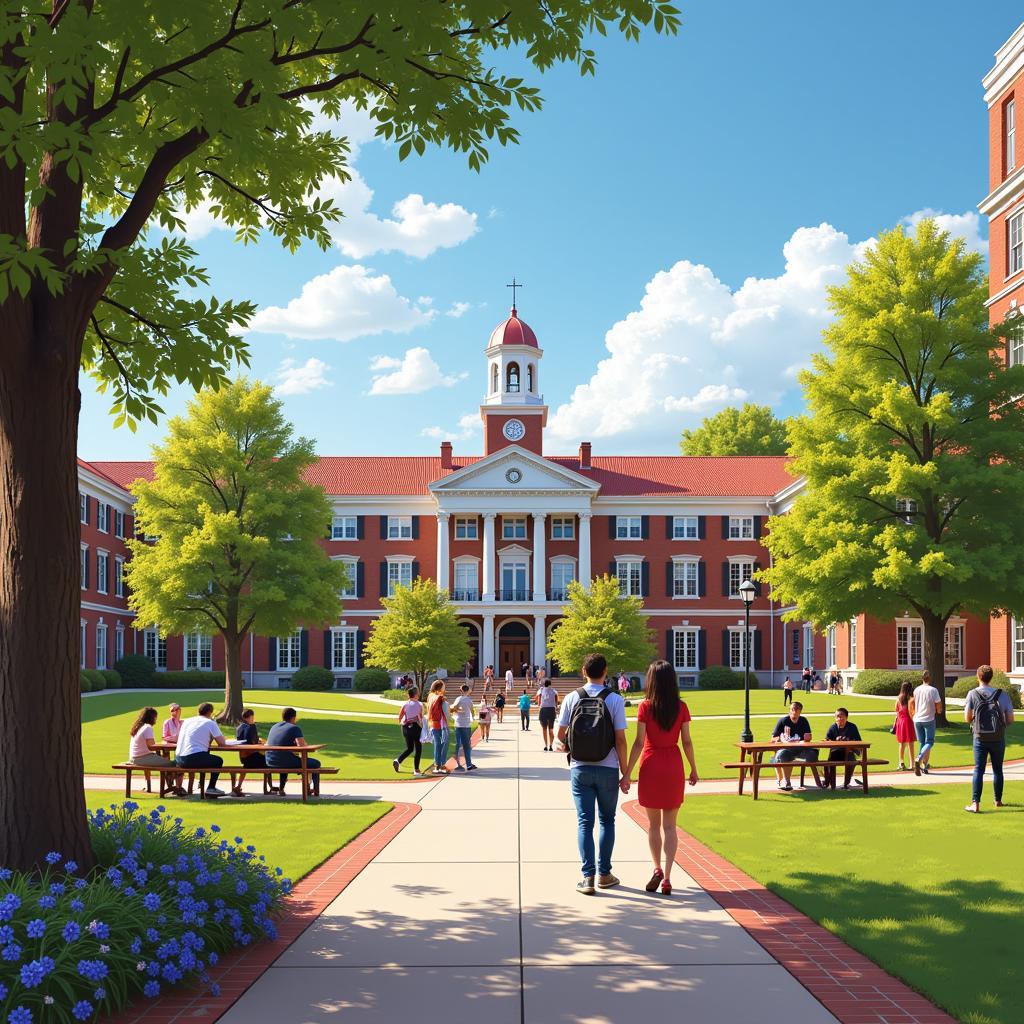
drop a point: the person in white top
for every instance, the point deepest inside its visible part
(195, 737)
(462, 708)
(411, 719)
(510, 680)
(142, 746)
(483, 716)
(547, 700)
(927, 702)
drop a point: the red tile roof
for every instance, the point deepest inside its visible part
(635, 475)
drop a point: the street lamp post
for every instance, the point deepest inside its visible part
(747, 591)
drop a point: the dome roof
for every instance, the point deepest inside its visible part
(513, 331)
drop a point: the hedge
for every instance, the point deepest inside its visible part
(84, 682)
(395, 695)
(312, 677)
(1000, 681)
(719, 677)
(95, 678)
(111, 678)
(881, 682)
(194, 679)
(372, 680)
(136, 671)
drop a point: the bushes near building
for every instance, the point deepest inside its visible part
(1000, 681)
(312, 677)
(881, 682)
(136, 671)
(112, 678)
(719, 677)
(372, 680)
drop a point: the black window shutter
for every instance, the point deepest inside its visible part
(702, 580)
(645, 579)
(611, 527)
(86, 570)
(669, 528)
(725, 527)
(415, 527)
(645, 527)
(725, 647)
(272, 653)
(360, 527)
(757, 649)
(88, 509)
(360, 640)
(383, 527)
(702, 527)
(360, 579)
(757, 584)
(670, 646)
(612, 569)
(303, 648)
(330, 530)
(757, 527)
(702, 648)
(668, 579)
(725, 579)
(383, 579)
(328, 636)
(415, 570)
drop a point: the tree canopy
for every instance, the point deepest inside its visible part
(749, 430)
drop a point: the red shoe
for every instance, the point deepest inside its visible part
(666, 888)
(658, 876)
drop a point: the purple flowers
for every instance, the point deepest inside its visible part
(36, 928)
(93, 970)
(19, 1015)
(151, 901)
(82, 1010)
(151, 989)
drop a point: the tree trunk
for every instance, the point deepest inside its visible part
(232, 713)
(42, 803)
(935, 657)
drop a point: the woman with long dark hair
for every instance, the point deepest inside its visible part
(662, 727)
(904, 725)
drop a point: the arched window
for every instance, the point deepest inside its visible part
(529, 378)
(494, 379)
(512, 377)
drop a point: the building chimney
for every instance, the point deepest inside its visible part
(584, 455)
(446, 455)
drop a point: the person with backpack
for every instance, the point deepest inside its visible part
(988, 711)
(524, 711)
(592, 730)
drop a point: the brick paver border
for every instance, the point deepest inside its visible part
(237, 971)
(849, 985)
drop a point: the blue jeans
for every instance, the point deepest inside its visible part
(462, 739)
(440, 746)
(595, 784)
(982, 752)
(206, 760)
(925, 737)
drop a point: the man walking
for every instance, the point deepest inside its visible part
(462, 709)
(988, 711)
(927, 701)
(592, 728)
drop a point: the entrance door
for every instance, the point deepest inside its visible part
(512, 655)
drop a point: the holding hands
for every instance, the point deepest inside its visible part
(624, 784)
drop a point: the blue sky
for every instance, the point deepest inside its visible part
(675, 220)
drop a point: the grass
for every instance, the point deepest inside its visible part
(188, 699)
(904, 876)
(769, 702)
(292, 836)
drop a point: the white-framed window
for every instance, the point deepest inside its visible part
(906, 509)
(467, 580)
(629, 527)
(515, 574)
(101, 645)
(118, 644)
(351, 588)
(347, 528)
(343, 650)
(685, 527)
(630, 576)
(154, 646)
(513, 527)
(736, 648)
(118, 523)
(563, 528)
(853, 643)
(686, 647)
(909, 646)
(1015, 344)
(830, 646)
(118, 576)
(198, 651)
(83, 508)
(83, 566)
(102, 517)
(399, 527)
(399, 574)
(1018, 644)
(954, 646)
(102, 572)
(686, 578)
(1010, 126)
(562, 574)
(1015, 243)
(808, 645)
(289, 651)
(741, 527)
(466, 528)
(83, 641)
(739, 570)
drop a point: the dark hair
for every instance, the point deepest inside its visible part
(147, 716)
(205, 708)
(796, 706)
(465, 687)
(248, 713)
(926, 677)
(663, 693)
(842, 711)
(906, 692)
(985, 673)
(547, 682)
(288, 715)
(594, 666)
(411, 692)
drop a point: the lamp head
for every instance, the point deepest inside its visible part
(747, 591)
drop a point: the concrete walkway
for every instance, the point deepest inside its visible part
(470, 915)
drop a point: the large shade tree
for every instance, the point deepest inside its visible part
(237, 530)
(747, 430)
(912, 450)
(114, 117)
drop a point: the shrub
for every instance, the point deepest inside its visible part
(312, 677)
(84, 682)
(162, 906)
(1000, 681)
(95, 677)
(111, 679)
(136, 671)
(193, 679)
(719, 677)
(395, 695)
(882, 682)
(372, 680)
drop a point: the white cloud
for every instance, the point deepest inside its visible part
(457, 309)
(294, 379)
(961, 225)
(468, 425)
(346, 303)
(415, 373)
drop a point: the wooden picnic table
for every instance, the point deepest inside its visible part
(755, 763)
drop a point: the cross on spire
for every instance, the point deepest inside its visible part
(514, 285)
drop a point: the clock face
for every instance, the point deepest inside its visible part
(513, 476)
(514, 430)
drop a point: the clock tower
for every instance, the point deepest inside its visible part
(513, 410)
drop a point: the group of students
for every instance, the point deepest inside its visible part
(421, 722)
(810, 680)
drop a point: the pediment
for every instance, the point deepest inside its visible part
(497, 474)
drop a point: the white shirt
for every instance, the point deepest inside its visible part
(509, 678)
(196, 735)
(139, 747)
(462, 706)
(925, 699)
(412, 711)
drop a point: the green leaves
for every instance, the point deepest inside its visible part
(750, 430)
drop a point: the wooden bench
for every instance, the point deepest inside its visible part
(231, 770)
(759, 766)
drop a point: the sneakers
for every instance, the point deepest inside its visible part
(395, 764)
(214, 791)
(924, 768)
(419, 775)
(586, 887)
(459, 768)
(917, 766)
(607, 882)
(472, 767)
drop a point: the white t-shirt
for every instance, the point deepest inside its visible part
(548, 696)
(925, 699)
(412, 711)
(139, 747)
(462, 707)
(196, 735)
(509, 679)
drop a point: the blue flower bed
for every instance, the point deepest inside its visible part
(163, 903)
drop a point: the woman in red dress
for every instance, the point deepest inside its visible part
(662, 727)
(904, 729)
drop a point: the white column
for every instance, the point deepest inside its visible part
(539, 558)
(443, 560)
(487, 642)
(584, 564)
(487, 583)
(539, 642)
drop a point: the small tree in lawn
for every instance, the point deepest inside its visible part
(913, 451)
(237, 529)
(749, 430)
(418, 631)
(599, 620)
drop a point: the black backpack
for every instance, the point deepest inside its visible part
(989, 722)
(591, 734)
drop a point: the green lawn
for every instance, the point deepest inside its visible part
(188, 699)
(292, 836)
(768, 702)
(904, 875)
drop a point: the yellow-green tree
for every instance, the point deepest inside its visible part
(748, 430)
(236, 527)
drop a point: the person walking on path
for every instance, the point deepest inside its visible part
(904, 724)
(483, 716)
(488, 678)
(547, 701)
(592, 729)
(927, 702)
(437, 717)
(462, 709)
(988, 711)
(510, 681)
(787, 691)
(623, 683)
(524, 711)
(499, 707)
(662, 727)
(410, 717)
